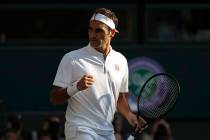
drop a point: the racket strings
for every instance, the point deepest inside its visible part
(158, 96)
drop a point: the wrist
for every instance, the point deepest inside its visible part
(72, 89)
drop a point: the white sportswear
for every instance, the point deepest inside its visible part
(94, 107)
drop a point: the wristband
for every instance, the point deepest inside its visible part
(72, 89)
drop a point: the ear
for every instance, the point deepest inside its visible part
(113, 33)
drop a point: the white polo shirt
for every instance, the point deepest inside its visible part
(94, 107)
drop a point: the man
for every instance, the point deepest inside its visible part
(94, 80)
(12, 134)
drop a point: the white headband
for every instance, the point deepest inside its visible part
(106, 20)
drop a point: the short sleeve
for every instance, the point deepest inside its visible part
(124, 83)
(64, 72)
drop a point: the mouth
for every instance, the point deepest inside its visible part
(94, 42)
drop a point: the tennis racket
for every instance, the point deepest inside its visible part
(156, 98)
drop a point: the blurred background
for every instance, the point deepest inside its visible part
(155, 36)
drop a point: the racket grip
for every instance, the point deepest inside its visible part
(131, 137)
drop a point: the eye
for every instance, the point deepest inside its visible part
(98, 30)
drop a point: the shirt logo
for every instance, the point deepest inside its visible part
(117, 67)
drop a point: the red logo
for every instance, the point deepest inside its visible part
(117, 67)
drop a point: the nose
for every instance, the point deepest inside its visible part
(92, 34)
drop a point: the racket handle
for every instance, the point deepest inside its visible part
(131, 137)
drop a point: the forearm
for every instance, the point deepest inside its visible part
(58, 95)
(125, 110)
(123, 106)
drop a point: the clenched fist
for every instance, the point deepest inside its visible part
(85, 82)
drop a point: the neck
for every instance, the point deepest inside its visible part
(104, 50)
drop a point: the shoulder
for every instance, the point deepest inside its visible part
(72, 55)
(119, 56)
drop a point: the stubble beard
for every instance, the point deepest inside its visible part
(97, 45)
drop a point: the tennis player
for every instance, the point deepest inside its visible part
(94, 80)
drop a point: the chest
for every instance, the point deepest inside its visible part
(102, 69)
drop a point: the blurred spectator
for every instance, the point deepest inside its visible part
(12, 134)
(52, 125)
(45, 125)
(160, 130)
(15, 123)
(44, 135)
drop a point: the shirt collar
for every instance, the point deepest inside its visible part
(95, 52)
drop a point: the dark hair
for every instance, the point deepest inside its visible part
(42, 133)
(14, 121)
(107, 13)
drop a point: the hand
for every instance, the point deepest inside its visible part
(138, 122)
(85, 82)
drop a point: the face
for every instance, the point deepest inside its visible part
(99, 35)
